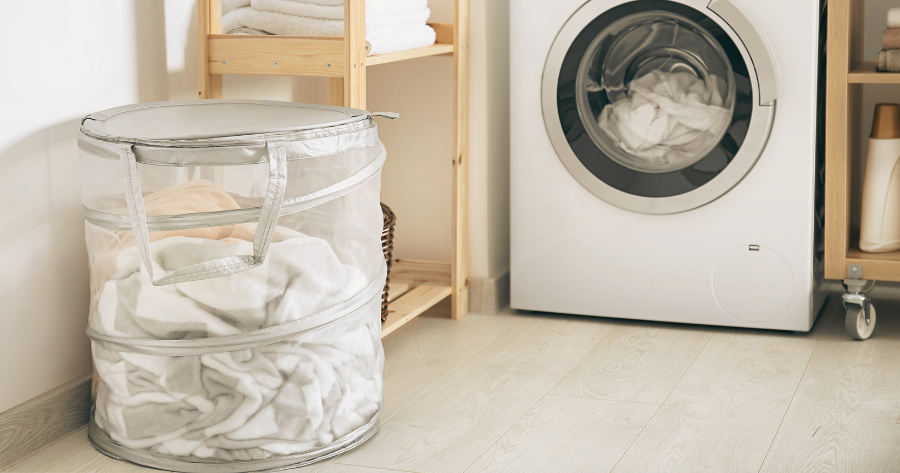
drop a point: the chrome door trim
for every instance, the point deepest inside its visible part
(765, 64)
(757, 134)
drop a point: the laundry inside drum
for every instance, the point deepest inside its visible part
(655, 91)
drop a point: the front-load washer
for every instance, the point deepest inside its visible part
(666, 160)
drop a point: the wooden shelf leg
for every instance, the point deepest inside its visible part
(460, 261)
(210, 22)
(355, 54)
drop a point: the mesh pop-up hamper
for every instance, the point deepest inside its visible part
(236, 279)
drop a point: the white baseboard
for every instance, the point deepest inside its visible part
(30, 426)
(489, 295)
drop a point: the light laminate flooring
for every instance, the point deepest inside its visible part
(524, 392)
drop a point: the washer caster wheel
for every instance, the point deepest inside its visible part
(857, 326)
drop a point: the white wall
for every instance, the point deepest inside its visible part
(96, 54)
(85, 57)
(49, 82)
(417, 178)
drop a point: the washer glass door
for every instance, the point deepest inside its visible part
(652, 101)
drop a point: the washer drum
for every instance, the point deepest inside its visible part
(236, 279)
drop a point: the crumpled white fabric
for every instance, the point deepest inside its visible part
(279, 399)
(299, 276)
(274, 400)
(668, 117)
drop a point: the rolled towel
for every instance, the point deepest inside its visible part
(407, 12)
(888, 61)
(890, 39)
(893, 18)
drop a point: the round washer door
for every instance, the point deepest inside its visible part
(656, 106)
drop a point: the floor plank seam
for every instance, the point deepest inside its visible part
(600, 399)
(439, 379)
(624, 452)
(471, 332)
(814, 340)
(828, 307)
(375, 468)
(462, 362)
(586, 353)
(788, 408)
(45, 447)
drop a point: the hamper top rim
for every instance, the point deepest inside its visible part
(219, 118)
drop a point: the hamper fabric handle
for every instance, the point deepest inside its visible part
(268, 217)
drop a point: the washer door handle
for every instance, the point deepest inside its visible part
(768, 73)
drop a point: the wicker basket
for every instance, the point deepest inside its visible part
(387, 244)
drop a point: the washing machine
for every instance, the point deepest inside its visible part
(667, 161)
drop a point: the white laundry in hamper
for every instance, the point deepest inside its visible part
(236, 279)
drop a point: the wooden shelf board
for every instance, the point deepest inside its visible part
(865, 73)
(398, 287)
(437, 49)
(876, 266)
(275, 55)
(412, 304)
(419, 270)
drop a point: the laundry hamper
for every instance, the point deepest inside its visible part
(236, 281)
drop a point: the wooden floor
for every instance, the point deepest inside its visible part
(522, 392)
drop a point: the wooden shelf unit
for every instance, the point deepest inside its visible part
(415, 285)
(864, 73)
(847, 72)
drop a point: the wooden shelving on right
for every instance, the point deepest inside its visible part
(847, 73)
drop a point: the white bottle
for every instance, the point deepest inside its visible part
(880, 219)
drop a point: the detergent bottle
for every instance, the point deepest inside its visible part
(880, 219)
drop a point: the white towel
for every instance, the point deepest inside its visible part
(383, 40)
(280, 24)
(321, 2)
(309, 10)
(414, 13)
(231, 5)
(373, 7)
(403, 39)
(893, 18)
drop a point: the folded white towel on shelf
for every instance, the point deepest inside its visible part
(231, 5)
(321, 2)
(280, 24)
(307, 9)
(417, 13)
(248, 31)
(893, 18)
(382, 37)
(402, 39)
(373, 7)
(392, 7)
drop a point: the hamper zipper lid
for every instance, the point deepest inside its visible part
(205, 119)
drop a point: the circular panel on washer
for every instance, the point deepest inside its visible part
(753, 283)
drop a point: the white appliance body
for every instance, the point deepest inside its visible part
(748, 254)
